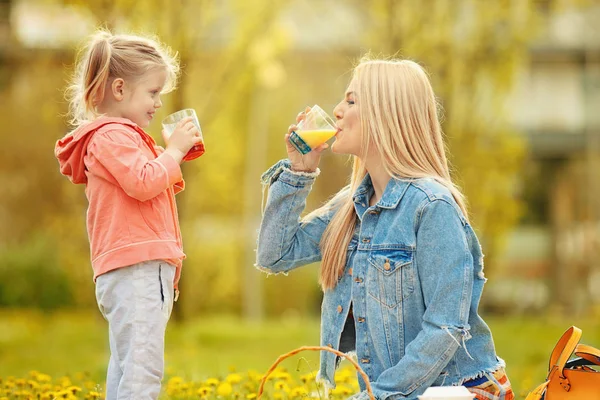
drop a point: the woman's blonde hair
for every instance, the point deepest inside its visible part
(399, 118)
(106, 57)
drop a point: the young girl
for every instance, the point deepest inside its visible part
(401, 267)
(135, 241)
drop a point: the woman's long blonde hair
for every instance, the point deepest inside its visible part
(107, 56)
(399, 117)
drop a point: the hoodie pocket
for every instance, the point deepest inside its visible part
(154, 212)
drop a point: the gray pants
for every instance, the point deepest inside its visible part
(137, 302)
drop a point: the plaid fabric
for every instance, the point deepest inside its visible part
(494, 386)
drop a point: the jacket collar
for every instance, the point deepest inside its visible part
(393, 193)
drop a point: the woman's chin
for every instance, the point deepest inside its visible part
(335, 147)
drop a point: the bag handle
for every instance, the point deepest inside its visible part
(588, 353)
(564, 348)
(567, 343)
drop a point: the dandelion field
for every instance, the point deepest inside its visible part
(63, 355)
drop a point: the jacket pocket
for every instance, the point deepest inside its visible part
(390, 276)
(154, 212)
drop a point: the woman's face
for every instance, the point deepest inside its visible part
(348, 138)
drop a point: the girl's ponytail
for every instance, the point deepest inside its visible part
(88, 83)
(97, 71)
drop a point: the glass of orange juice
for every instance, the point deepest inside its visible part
(313, 131)
(170, 123)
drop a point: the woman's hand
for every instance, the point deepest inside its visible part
(307, 162)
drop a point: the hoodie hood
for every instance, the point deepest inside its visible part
(72, 148)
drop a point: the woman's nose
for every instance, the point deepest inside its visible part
(337, 112)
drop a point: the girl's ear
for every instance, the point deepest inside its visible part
(117, 88)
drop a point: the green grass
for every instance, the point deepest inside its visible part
(66, 343)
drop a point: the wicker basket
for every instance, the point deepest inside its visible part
(315, 348)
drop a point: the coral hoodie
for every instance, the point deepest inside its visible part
(130, 186)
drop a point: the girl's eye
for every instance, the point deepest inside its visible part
(350, 102)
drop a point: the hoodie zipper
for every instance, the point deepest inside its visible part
(174, 213)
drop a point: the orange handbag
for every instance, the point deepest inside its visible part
(570, 380)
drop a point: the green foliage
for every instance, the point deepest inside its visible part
(30, 276)
(247, 79)
(213, 346)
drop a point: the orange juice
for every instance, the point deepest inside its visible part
(316, 137)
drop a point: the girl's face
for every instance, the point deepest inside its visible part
(348, 138)
(141, 99)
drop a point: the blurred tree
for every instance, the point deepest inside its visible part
(472, 50)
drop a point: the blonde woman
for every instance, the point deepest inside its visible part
(401, 267)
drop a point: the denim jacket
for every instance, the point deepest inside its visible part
(413, 276)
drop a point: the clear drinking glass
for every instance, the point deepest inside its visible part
(170, 123)
(313, 131)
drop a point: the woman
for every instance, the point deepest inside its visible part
(401, 268)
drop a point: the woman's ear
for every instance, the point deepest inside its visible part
(117, 88)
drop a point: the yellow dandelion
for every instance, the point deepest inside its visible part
(233, 378)
(281, 376)
(43, 378)
(212, 382)
(65, 382)
(204, 390)
(175, 381)
(46, 396)
(74, 389)
(251, 396)
(309, 377)
(341, 390)
(20, 382)
(254, 376)
(224, 389)
(298, 392)
(281, 385)
(33, 384)
(93, 395)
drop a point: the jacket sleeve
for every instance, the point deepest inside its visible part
(445, 268)
(120, 154)
(178, 187)
(284, 241)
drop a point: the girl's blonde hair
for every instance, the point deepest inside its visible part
(399, 118)
(106, 57)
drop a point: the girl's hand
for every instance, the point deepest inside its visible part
(307, 162)
(185, 135)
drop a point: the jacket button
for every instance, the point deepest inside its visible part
(373, 212)
(329, 345)
(386, 266)
(361, 319)
(358, 280)
(339, 309)
(364, 360)
(366, 240)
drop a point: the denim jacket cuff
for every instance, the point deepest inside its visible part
(282, 171)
